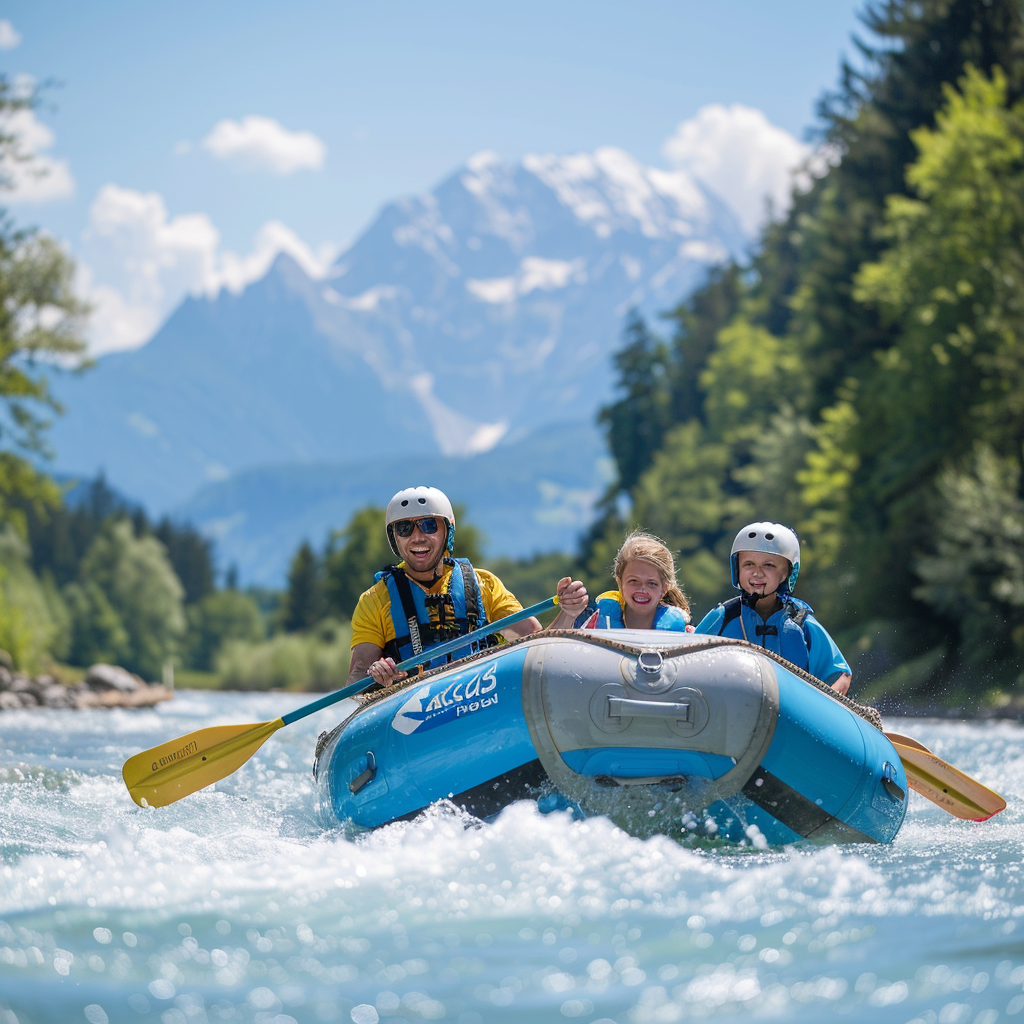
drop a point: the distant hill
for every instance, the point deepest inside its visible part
(466, 318)
(532, 495)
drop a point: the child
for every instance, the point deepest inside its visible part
(765, 563)
(649, 596)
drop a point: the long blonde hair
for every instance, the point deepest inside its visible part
(649, 548)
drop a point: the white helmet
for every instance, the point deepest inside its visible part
(773, 539)
(416, 503)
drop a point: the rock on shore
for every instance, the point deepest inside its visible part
(104, 686)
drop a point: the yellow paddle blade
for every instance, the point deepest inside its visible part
(174, 769)
(950, 788)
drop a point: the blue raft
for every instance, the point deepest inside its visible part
(660, 731)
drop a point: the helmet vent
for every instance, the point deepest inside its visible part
(769, 536)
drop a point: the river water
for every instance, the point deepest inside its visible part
(238, 904)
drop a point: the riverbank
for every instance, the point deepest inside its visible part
(102, 686)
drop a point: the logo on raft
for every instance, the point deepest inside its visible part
(424, 710)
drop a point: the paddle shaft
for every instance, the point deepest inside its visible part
(178, 767)
(435, 652)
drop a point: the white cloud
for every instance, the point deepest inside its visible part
(739, 154)
(235, 272)
(114, 324)
(140, 262)
(261, 143)
(9, 36)
(41, 178)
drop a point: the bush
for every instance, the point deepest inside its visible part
(31, 612)
(218, 618)
(316, 661)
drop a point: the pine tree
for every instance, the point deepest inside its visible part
(636, 423)
(303, 604)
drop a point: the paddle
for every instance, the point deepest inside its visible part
(172, 770)
(953, 790)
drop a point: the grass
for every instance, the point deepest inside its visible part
(189, 679)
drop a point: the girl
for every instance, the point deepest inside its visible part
(649, 597)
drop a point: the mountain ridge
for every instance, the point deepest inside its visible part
(462, 320)
(525, 497)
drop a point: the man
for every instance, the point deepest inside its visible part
(765, 564)
(431, 597)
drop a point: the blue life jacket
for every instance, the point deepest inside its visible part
(667, 616)
(460, 610)
(788, 634)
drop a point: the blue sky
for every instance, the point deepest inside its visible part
(188, 140)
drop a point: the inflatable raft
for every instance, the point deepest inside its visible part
(661, 731)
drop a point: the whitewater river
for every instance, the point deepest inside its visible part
(238, 904)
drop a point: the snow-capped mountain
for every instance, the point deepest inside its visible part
(460, 320)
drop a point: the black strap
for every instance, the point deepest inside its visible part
(765, 630)
(472, 595)
(798, 612)
(733, 609)
(408, 612)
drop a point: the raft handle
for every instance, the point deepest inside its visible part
(889, 783)
(619, 707)
(366, 776)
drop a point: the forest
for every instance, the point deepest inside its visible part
(859, 376)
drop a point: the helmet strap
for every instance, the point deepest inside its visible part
(752, 598)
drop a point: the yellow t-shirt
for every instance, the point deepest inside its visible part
(371, 621)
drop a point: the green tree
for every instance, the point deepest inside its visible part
(971, 563)
(952, 283)
(97, 633)
(41, 324)
(191, 555)
(748, 376)
(636, 423)
(219, 617)
(697, 322)
(32, 614)
(303, 604)
(353, 556)
(950, 287)
(136, 579)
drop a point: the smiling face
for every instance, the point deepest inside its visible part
(642, 588)
(422, 551)
(761, 572)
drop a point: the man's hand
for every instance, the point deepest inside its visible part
(384, 672)
(368, 660)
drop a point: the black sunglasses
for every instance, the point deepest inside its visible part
(404, 527)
